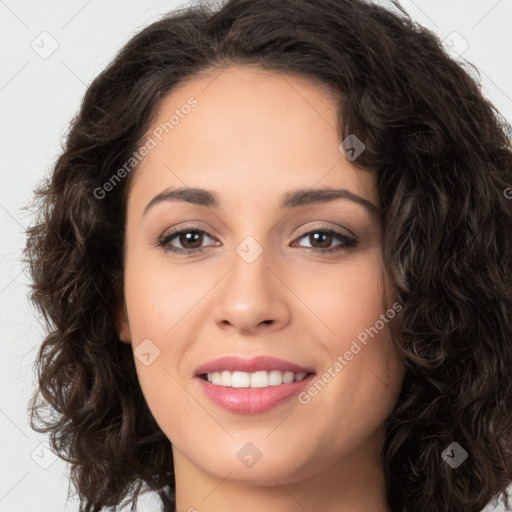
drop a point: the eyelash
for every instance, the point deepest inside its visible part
(164, 241)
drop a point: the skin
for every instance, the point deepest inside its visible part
(253, 136)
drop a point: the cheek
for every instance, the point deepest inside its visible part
(164, 303)
(160, 297)
(363, 371)
(346, 298)
(158, 301)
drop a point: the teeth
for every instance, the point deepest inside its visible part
(288, 377)
(275, 378)
(240, 379)
(261, 379)
(225, 378)
(258, 379)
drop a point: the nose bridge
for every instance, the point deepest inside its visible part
(251, 278)
(250, 294)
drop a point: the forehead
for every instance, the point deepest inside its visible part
(251, 134)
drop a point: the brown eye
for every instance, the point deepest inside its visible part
(321, 239)
(189, 240)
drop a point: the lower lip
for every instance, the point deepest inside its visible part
(252, 400)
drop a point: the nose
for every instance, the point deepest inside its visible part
(252, 298)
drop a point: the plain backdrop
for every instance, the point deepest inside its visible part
(50, 51)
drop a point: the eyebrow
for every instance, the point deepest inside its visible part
(291, 199)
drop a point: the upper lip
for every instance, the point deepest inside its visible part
(254, 364)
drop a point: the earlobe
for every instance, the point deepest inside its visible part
(123, 326)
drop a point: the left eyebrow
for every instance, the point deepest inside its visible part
(291, 199)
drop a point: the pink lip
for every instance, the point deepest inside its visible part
(255, 364)
(252, 400)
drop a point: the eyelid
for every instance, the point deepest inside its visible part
(185, 227)
(173, 232)
(319, 227)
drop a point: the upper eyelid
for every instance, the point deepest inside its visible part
(319, 227)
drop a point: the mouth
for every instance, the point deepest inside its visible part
(252, 386)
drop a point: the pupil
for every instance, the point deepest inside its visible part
(188, 237)
(326, 238)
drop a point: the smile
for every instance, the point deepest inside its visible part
(252, 386)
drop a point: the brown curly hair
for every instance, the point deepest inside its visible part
(442, 157)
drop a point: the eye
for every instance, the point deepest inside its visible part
(321, 239)
(191, 238)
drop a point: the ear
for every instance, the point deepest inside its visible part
(122, 325)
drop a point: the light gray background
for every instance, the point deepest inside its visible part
(39, 94)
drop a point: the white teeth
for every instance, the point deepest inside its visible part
(275, 377)
(225, 378)
(240, 379)
(261, 379)
(288, 377)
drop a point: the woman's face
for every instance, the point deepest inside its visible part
(253, 282)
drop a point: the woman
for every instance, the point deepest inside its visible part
(275, 258)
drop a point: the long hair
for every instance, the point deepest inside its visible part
(442, 159)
